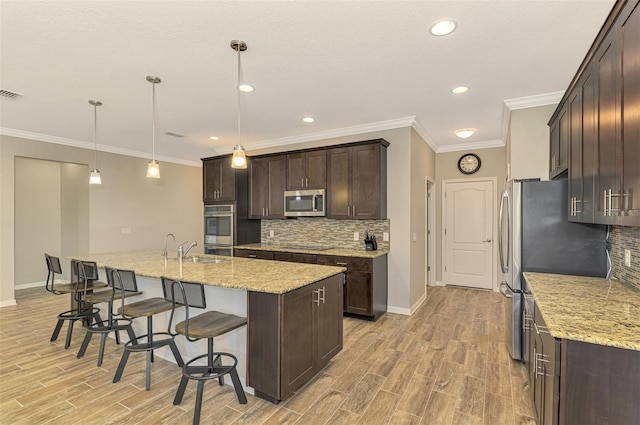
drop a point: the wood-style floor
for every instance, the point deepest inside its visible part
(446, 364)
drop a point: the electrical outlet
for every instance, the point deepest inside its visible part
(356, 236)
(271, 233)
(415, 236)
(627, 258)
(385, 236)
(125, 231)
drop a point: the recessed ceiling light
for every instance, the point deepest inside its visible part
(443, 27)
(308, 120)
(460, 90)
(463, 133)
(214, 138)
(246, 88)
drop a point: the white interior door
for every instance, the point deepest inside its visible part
(468, 227)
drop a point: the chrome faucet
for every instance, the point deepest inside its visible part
(165, 253)
(183, 253)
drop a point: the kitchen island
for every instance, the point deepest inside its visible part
(584, 349)
(294, 312)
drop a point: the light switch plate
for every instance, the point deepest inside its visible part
(271, 233)
(627, 257)
(385, 236)
(356, 236)
(125, 231)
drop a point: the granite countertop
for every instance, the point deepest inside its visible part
(314, 250)
(276, 277)
(588, 309)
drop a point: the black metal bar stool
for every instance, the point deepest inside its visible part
(122, 284)
(206, 325)
(80, 285)
(152, 340)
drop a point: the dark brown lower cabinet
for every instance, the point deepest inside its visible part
(295, 257)
(253, 253)
(365, 292)
(581, 383)
(292, 336)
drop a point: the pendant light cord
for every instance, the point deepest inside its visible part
(95, 137)
(153, 122)
(238, 90)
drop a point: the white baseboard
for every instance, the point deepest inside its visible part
(440, 283)
(37, 284)
(407, 311)
(8, 303)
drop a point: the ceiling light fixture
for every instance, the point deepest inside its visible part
(214, 138)
(94, 177)
(153, 169)
(239, 159)
(308, 120)
(463, 133)
(443, 27)
(460, 90)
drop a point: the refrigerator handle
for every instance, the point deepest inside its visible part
(504, 265)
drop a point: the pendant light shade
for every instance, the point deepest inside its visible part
(239, 157)
(94, 177)
(153, 169)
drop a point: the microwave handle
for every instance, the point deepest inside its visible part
(315, 203)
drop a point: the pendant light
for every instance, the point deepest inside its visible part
(94, 177)
(153, 169)
(239, 159)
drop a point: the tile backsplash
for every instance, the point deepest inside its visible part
(323, 232)
(625, 238)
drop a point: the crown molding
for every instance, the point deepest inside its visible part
(87, 145)
(471, 146)
(329, 134)
(422, 132)
(533, 101)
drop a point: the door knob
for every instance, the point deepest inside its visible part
(487, 240)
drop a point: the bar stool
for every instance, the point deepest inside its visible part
(148, 308)
(122, 285)
(78, 288)
(206, 325)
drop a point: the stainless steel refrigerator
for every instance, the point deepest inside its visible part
(534, 234)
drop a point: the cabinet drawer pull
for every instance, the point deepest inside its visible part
(341, 264)
(252, 256)
(540, 329)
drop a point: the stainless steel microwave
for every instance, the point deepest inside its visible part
(304, 203)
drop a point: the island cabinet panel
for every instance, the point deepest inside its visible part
(295, 257)
(307, 170)
(357, 181)
(292, 336)
(267, 182)
(219, 180)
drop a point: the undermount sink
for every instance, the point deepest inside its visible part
(203, 260)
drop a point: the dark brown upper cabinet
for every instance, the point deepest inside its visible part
(599, 116)
(267, 182)
(357, 181)
(307, 170)
(219, 180)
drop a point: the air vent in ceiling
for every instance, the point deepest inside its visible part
(9, 95)
(173, 134)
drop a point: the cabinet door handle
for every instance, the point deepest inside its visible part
(317, 300)
(540, 329)
(263, 211)
(348, 211)
(302, 181)
(267, 211)
(323, 289)
(306, 182)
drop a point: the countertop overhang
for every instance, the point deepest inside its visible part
(342, 252)
(275, 277)
(588, 309)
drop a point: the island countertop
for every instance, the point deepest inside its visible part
(342, 252)
(588, 309)
(275, 277)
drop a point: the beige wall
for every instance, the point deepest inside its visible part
(126, 198)
(74, 206)
(38, 216)
(529, 142)
(400, 182)
(423, 166)
(493, 165)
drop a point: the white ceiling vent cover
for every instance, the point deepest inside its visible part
(9, 95)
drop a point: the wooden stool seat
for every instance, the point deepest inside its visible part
(211, 324)
(105, 297)
(148, 307)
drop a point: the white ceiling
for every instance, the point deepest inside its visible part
(352, 65)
